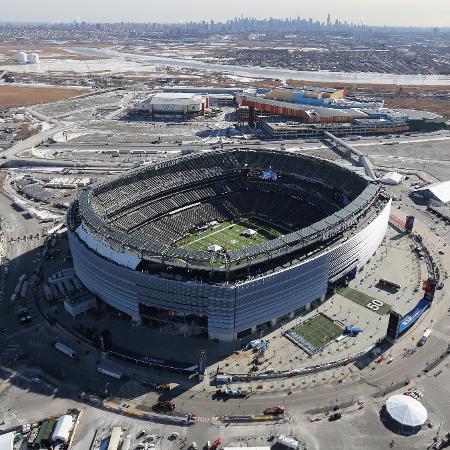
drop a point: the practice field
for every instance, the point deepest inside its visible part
(319, 331)
(365, 300)
(228, 235)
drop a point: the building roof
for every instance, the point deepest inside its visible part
(392, 178)
(175, 97)
(7, 441)
(406, 410)
(310, 109)
(441, 191)
(62, 428)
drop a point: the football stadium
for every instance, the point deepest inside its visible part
(223, 242)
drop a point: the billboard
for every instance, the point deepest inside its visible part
(413, 315)
(409, 224)
(392, 329)
(268, 175)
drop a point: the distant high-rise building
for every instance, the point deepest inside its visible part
(328, 20)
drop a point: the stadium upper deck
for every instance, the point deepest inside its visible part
(149, 209)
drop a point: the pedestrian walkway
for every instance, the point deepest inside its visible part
(203, 419)
(132, 390)
(442, 336)
(296, 418)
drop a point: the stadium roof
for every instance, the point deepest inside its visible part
(439, 191)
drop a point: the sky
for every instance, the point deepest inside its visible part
(372, 12)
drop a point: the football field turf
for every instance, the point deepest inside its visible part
(319, 331)
(228, 235)
(365, 300)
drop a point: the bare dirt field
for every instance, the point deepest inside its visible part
(12, 96)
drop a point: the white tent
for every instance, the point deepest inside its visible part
(249, 232)
(214, 248)
(7, 441)
(406, 410)
(63, 428)
(438, 192)
(392, 178)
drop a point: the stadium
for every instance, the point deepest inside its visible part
(223, 242)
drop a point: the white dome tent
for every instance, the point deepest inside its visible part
(406, 410)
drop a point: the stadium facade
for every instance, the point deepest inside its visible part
(125, 237)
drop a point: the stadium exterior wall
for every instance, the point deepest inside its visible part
(235, 307)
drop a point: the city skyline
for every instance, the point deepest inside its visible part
(380, 13)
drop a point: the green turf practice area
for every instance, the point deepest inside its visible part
(318, 331)
(229, 235)
(365, 300)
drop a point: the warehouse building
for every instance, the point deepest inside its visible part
(174, 103)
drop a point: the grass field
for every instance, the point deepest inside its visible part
(319, 331)
(365, 300)
(228, 235)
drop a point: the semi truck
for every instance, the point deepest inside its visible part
(274, 410)
(110, 371)
(65, 349)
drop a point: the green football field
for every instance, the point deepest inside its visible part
(362, 299)
(319, 331)
(228, 235)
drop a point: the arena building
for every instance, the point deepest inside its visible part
(170, 243)
(181, 103)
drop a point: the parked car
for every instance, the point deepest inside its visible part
(335, 416)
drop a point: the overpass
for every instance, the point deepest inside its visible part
(362, 159)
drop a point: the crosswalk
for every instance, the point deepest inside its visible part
(442, 336)
(9, 351)
(296, 418)
(132, 390)
(203, 419)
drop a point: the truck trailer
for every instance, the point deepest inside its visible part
(65, 349)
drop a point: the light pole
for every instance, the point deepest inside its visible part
(439, 429)
(106, 389)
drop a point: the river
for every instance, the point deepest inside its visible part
(263, 72)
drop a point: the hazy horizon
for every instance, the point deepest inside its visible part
(370, 12)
